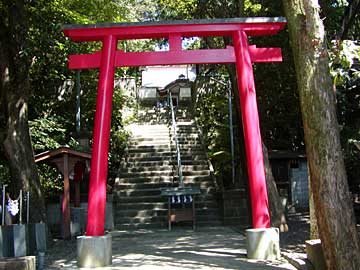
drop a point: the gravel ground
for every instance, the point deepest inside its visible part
(62, 254)
(299, 231)
(220, 248)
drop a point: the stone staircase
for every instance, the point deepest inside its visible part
(150, 164)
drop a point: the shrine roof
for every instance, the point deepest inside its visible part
(59, 152)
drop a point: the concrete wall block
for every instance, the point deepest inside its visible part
(77, 224)
(53, 213)
(1, 243)
(299, 185)
(36, 238)
(54, 216)
(19, 263)
(315, 254)
(14, 240)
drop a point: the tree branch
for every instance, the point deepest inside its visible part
(351, 11)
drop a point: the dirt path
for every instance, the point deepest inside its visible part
(219, 248)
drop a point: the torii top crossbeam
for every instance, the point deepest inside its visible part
(174, 31)
(240, 53)
(253, 26)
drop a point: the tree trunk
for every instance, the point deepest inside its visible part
(277, 214)
(16, 90)
(351, 10)
(314, 232)
(332, 200)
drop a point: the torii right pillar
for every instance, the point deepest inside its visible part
(262, 241)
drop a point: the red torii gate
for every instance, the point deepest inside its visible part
(241, 53)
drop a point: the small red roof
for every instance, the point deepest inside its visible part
(54, 154)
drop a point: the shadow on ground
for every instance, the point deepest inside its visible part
(299, 231)
(207, 248)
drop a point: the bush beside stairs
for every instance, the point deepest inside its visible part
(150, 164)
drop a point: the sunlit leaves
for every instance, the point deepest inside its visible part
(176, 9)
(252, 8)
(47, 133)
(342, 65)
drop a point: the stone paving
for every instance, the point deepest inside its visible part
(219, 248)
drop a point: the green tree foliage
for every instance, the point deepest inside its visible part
(52, 91)
(345, 56)
(212, 114)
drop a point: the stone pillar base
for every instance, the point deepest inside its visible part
(263, 244)
(27, 262)
(94, 251)
(315, 254)
(14, 240)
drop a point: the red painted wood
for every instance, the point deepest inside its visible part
(163, 31)
(214, 56)
(65, 206)
(242, 54)
(175, 42)
(99, 159)
(252, 137)
(264, 55)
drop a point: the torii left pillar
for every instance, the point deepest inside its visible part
(101, 245)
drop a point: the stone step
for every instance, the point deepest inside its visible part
(162, 140)
(161, 212)
(150, 134)
(143, 186)
(131, 126)
(138, 206)
(150, 140)
(149, 137)
(140, 220)
(140, 199)
(164, 168)
(161, 222)
(164, 225)
(157, 199)
(136, 169)
(148, 144)
(165, 154)
(121, 193)
(182, 120)
(166, 158)
(183, 133)
(141, 213)
(163, 163)
(140, 226)
(187, 128)
(161, 149)
(126, 193)
(163, 173)
(138, 129)
(144, 180)
(149, 128)
(163, 179)
(126, 186)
